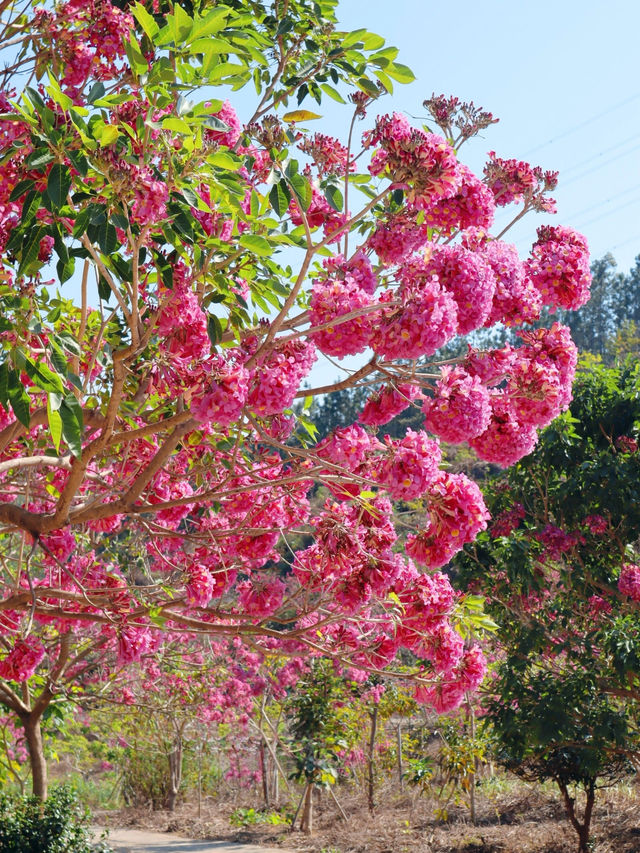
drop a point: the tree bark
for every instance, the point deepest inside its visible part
(399, 756)
(175, 773)
(307, 812)
(582, 829)
(370, 761)
(37, 760)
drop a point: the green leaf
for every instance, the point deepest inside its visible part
(178, 125)
(302, 190)
(333, 93)
(214, 329)
(43, 376)
(223, 161)
(81, 223)
(334, 197)
(72, 424)
(59, 184)
(108, 135)
(146, 21)
(65, 269)
(55, 424)
(39, 158)
(256, 244)
(106, 237)
(4, 384)
(213, 22)
(18, 398)
(30, 249)
(67, 342)
(138, 63)
(280, 197)
(96, 92)
(21, 188)
(401, 73)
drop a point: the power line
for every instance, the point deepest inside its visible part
(572, 216)
(600, 166)
(586, 162)
(582, 124)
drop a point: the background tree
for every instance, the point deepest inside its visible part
(557, 567)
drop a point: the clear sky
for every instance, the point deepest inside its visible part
(563, 77)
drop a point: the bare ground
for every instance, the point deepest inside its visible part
(519, 819)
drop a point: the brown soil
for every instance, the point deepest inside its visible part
(521, 819)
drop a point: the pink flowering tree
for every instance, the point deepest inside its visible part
(169, 275)
(559, 566)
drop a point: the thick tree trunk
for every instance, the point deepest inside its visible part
(175, 773)
(37, 760)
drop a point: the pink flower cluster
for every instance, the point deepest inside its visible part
(150, 198)
(224, 395)
(421, 163)
(411, 465)
(388, 401)
(278, 377)
(398, 237)
(472, 206)
(468, 278)
(559, 267)
(557, 541)
(629, 581)
(460, 408)
(457, 513)
(328, 154)
(506, 439)
(426, 320)
(508, 521)
(331, 300)
(516, 181)
(23, 659)
(448, 693)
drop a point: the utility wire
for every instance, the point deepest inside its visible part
(582, 124)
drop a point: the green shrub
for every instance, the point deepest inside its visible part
(59, 825)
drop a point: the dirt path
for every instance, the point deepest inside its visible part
(142, 841)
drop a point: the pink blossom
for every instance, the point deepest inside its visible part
(460, 408)
(224, 396)
(398, 237)
(457, 513)
(332, 299)
(411, 465)
(559, 267)
(387, 402)
(425, 321)
(629, 581)
(508, 521)
(229, 138)
(421, 163)
(506, 440)
(278, 377)
(516, 181)
(597, 524)
(469, 278)
(23, 659)
(472, 206)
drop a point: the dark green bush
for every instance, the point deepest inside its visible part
(59, 825)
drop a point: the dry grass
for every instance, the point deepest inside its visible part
(512, 817)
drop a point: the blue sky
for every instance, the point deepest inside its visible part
(563, 77)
